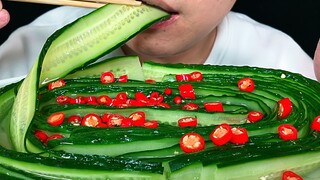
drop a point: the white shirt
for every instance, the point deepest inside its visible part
(240, 41)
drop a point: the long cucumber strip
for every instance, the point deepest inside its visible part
(23, 109)
(93, 36)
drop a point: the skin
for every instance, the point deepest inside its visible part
(4, 16)
(196, 33)
(317, 61)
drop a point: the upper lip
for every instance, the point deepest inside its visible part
(160, 4)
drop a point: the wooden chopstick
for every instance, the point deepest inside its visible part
(82, 3)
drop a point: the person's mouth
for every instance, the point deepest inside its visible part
(166, 22)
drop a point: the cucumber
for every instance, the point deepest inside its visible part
(79, 43)
(93, 36)
(125, 65)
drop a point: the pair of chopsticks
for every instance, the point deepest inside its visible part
(82, 3)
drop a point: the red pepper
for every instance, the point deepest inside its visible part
(290, 175)
(155, 98)
(104, 100)
(55, 136)
(183, 77)
(254, 116)
(120, 99)
(126, 123)
(315, 125)
(167, 91)
(41, 135)
(56, 84)
(151, 124)
(63, 99)
(151, 81)
(192, 142)
(196, 76)
(142, 98)
(92, 100)
(213, 106)
(164, 105)
(187, 91)
(91, 120)
(78, 100)
(239, 135)
(138, 118)
(190, 107)
(187, 122)
(221, 134)
(123, 78)
(115, 120)
(287, 132)
(285, 108)
(75, 120)
(246, 84)
(56, 119)
(107, 77)
(102, 125)
(177, 100)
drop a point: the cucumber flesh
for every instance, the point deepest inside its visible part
(93, 36)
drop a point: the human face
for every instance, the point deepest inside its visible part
(186, 37)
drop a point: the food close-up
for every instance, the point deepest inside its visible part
(77, 115)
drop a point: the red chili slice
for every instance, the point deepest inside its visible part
(190, 107)
(115, 120)
(78, 100)
(213, 106)
(287, 132)
(63, 99)
(167, 91)
(151, 124)
(285, 108)
(56, 119)
(75, 120)
(126, 123)
(221, 134)
(290, 175)
(138, 118)
(239, 135)
(187, 122)
(155, 98)
(56, 84)
(192, 142)
(196, 76)
(104, 100)
(183, 77)
(123, 78)
(121, 98)
(142, 98)
(164, 105)
(254, 116)
(246, 84)
(41, 135)
(91, 120)
(151, 81)
(107, 77)
(177, 100)
(55, 136)
(315, 125)
(92, 100)
(187, 91)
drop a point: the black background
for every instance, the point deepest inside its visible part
(298, 18)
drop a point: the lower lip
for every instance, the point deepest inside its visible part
(165, 23)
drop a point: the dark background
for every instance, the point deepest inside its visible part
(298, 18)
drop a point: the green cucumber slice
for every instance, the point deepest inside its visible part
(93, 36)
